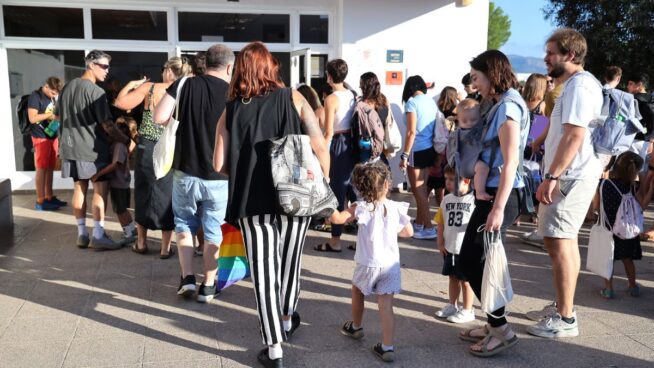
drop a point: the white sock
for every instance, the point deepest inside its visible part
(388, 347)
(81, 227)
(128, 229)
(275, 351)
(287, 324)
(98, 229)
(209, 282)
(355, 326)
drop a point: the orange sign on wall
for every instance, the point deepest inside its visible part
(394, 78)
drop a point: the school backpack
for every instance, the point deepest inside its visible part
(23, 120)
(367, 132)
(629, 220)
(614, 131)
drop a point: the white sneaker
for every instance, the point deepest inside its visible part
(538, 315)
(533, 238)
(462, 316)
(447, 311)
(554, 327)
(425, 234)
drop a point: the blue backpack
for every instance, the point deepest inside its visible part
(614, 131)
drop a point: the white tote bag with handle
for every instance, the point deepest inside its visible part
(600, 246)
(164, 150)
(496, 288)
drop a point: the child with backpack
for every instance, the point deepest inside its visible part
(119, 183)
(452, 220)
(377, 255)
(621, 202)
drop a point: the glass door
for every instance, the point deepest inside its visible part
(300, 67)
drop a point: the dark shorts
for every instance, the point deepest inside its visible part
(120, 199)
(82, 170)
(451, 267)
(423, 159)
(435, 183)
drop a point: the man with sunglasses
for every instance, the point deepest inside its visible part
(87, 130)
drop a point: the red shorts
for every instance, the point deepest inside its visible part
(45, 152)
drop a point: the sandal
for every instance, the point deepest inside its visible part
(466, 335)
(326, 247)
(607, 293)
(499, 335)
(327, 228)
(171, 253)
(136, 249)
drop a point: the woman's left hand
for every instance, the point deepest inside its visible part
(494, 220)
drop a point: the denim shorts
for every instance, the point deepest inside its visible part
(199, 202)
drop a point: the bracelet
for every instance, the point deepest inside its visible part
(404, 156)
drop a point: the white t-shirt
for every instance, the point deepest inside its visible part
(378, 228)
(456, 215)
(579, 104)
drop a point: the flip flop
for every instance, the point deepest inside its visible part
(171, 253)
(326, 247)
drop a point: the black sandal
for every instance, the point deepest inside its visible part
(326, 247)
(171, 253)
(136, 249)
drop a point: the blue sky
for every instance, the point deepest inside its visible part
(529, 29)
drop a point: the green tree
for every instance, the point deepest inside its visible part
(499, 27)
(618, 32)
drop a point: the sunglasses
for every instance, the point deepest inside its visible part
(102, 66)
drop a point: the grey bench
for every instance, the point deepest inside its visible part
(6, 212)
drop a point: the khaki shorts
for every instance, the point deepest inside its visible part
(565, 215)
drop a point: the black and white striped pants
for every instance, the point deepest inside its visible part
(274, 246)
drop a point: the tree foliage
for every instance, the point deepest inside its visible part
(618, 32)
(499, 27)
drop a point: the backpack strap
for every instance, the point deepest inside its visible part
(602, 215)
(494, 143)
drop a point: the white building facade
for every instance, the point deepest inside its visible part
(394, 39)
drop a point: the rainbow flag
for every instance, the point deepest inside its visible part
(232, 261)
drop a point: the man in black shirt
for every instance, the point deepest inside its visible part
(199, 192)
(637, 85)
(44, 130)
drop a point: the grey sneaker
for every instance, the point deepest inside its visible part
(538, 315)
(554, 327)
(124, 240)
(533, 238)
(104, 243)
(83, 241)
(447, 311)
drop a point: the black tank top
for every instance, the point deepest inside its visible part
(251, 125)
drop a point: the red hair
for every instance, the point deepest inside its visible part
(256, 72)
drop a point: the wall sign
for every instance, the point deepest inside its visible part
(394, 56)
(394, 78)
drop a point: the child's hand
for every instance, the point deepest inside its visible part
(441, 248)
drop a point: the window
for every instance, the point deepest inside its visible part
(30, 21)
(233, 27)
(28, 70)
(129, 25)
(314, 29)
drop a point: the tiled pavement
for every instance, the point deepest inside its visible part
(65, 307)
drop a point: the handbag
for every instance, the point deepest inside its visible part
(392, 136)
(496, 288)
(232, 260)
(163, 152)
(302, 189)
(600, 246)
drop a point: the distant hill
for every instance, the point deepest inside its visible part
(525, 64)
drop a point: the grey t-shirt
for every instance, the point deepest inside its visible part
(82, 107)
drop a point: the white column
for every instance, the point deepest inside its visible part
(8, 161)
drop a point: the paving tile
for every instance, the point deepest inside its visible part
(39, 329)
(167, 347)
(209, 363)
(33, 354)
(98, 351)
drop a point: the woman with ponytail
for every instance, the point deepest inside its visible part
(153, 197)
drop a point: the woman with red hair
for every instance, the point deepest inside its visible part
(259, 109)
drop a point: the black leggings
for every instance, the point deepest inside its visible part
(472, 256)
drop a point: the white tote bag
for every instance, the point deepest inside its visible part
(392, 136)
(496, 288)
(600, 246)
(164, 150)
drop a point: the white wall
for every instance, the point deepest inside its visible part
(438, 37)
